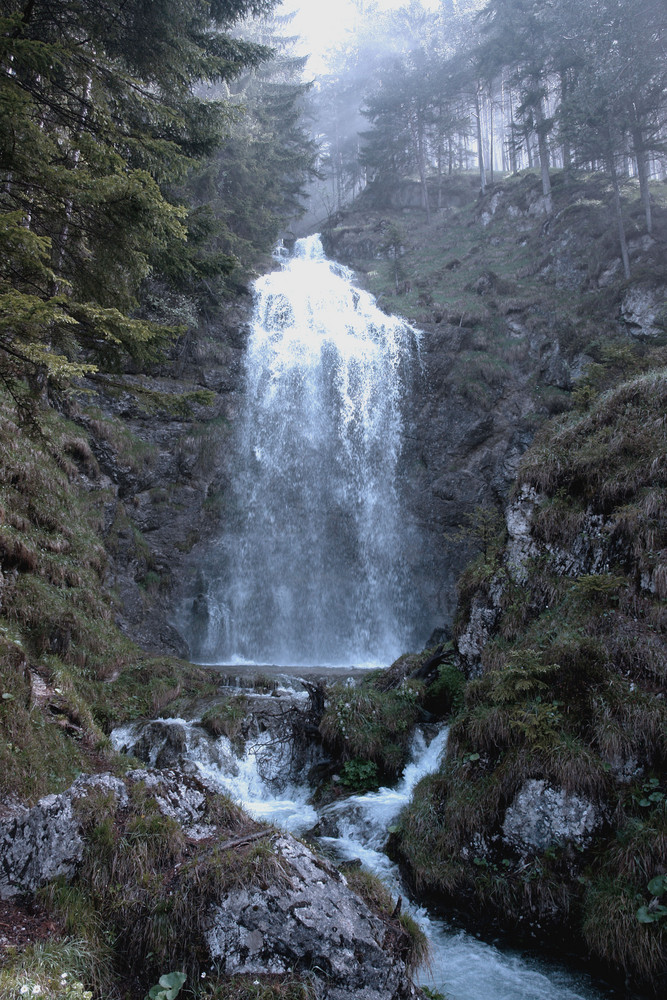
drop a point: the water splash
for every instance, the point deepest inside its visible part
(313, 568)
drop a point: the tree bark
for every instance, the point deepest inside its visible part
(618, 210)
(418, 139)
(567, 152)
(543, 147)
(480, 148)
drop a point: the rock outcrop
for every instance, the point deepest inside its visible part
(39, 844)
(541, 817)
(310, 922)
(300, 918)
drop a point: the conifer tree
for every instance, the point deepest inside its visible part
(98, 113)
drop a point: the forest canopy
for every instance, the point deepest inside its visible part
(499, 85)
(110, 114)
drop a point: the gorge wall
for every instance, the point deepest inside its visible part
(513, 309)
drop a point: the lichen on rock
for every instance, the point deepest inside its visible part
(541, 817)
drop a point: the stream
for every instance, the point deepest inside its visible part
(461, 966)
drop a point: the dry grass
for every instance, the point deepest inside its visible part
(611, 930)
(146, 888)
(608, 454)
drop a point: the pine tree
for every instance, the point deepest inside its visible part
(98, 115)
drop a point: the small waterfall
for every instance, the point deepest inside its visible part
(461, 966)
(313, 568)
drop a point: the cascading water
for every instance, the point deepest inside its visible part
(312, 569)
(461, 966)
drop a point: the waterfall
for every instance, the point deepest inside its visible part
(313, 565)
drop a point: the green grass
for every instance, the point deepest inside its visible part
(370, 725)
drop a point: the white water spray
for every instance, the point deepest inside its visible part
(313, 567)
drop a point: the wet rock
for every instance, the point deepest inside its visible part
(310, 922)
(541, 816)
(161, 743)
(178, 797)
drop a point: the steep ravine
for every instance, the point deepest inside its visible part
(548, 812)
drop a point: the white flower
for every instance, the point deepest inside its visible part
(203, 975)
(36, 990)
(24, 990)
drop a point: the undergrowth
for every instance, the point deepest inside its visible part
(566, 692)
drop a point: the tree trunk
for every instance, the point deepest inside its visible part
(567, 152)
(642, 172)
(618, 209)
(544, 158)
(529, 151)
(480, 148)
(491, 134)
(418, 139)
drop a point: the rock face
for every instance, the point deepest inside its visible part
(165, 475)
(310, 923)
(644, 310)
(475, 635)
(541, 816)
(39, 844)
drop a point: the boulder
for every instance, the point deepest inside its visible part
(643, 311)
(300, 917)
(312, 923)
(39, 844)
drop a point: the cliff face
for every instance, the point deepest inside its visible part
(549, 811)
(163, 455)
(513, 310)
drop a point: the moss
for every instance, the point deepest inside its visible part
(58, 633)
(445, 695)
(225, 717)
(373, 725)
(609, 454)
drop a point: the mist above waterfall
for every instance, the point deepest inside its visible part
(312, 566)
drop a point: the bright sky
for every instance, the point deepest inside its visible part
(322, 23)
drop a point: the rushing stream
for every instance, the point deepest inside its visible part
(461, 966)
(312, 566)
